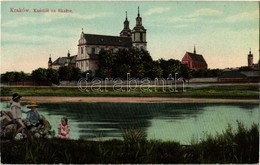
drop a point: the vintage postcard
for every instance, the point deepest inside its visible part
(136, 82)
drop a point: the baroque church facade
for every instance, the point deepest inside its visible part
(89, 46)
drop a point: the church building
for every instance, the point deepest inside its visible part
(194, 61)
(62, 61)
(89, 45)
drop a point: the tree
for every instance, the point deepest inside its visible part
(122, 71)
(64, 73)
(75, 73)
(185, 72)
(245, 68)
(117, 64)
(138, 70)
(170, 66)
(9, 77)
(105, 72)
(68, 73)
(53, 76)
(147, 62)
(106, 63)
(156, 71)
(40, 76)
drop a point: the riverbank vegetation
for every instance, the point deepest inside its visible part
(117, 64)
(239, 145)
(245, 91)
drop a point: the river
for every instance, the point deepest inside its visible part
(161, 121)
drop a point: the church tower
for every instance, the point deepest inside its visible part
(68, 59)
(250, 59)
(126, 32)
(139, 34)
(50, 63)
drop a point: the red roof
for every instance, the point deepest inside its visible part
(196, 57)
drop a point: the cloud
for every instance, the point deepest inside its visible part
(206, 12)
(157, 10)
(175, 19)
(23, 21)
(195, 16)
(243, 16)
(75, 16)
(25, 39)
(240, 17)
(50, 17)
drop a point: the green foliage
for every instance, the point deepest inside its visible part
(233, 146)
(245, 68)
(134, 135)
(9, 77)
(53, 76)
(5, 91)
(117, 64)
(40, 76)
(246, 91)
(69, 73)
(44, 76)
(140, 64)
(156, 71)
(207, 73)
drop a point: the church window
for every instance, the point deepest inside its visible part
(141, 36)
(81, 50)
(93, 51)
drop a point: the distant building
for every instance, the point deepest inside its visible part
(89, 46)
(250, 61)
(239, 76)
(194, 61)
(62, 61)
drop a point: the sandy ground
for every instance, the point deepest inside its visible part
(54, 99)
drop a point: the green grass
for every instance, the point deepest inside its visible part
(232, 146)
(247, 91)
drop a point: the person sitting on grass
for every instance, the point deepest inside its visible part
(64, 129)
(33, 118)
(16, 111)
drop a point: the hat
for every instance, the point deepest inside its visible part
(16, 96)
(32, 104)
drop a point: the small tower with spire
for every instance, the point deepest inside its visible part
(50, 62)
(126, 32)
(194, 50)
(139, 33)
(68, 58)
(250, 59)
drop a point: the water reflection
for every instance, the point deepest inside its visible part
(166, 121)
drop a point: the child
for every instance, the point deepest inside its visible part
(16, 111)
(33, 118)
(64, 129)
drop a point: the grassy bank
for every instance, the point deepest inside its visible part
(247, 91)
(233, 146)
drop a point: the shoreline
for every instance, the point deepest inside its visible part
(62, 99)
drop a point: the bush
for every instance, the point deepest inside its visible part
(240, 146)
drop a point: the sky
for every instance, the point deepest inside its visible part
(223, 32)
